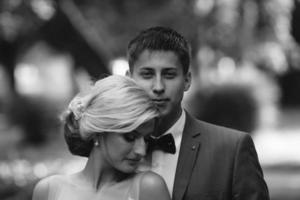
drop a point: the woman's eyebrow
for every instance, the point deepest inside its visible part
(135, 132)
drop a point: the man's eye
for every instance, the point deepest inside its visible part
(129, 137)
(146, 74)
(170, 74)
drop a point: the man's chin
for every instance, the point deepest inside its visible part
(163, 111)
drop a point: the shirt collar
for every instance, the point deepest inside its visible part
(177, 129)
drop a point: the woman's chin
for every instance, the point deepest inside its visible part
(128, 169)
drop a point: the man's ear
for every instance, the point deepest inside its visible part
(188, 81)
(128, 73)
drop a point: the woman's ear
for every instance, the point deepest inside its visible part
(97, 141)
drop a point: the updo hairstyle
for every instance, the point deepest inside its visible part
(113, 104)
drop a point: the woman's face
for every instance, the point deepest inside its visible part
(124, 151)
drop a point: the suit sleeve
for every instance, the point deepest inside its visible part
(248, 181)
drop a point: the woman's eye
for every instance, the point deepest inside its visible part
(129, 137)
(146, 139)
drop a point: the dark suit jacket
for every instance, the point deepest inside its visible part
(217, 163)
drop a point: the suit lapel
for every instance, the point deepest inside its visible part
(189, 149)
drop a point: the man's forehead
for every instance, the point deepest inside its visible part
(151, 52)
(157, 58)
(152, 68)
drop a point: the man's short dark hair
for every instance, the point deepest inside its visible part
(159, 39)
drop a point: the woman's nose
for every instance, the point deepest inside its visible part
(140, 147)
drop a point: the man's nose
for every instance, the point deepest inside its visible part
(158, 86)
(140, 147)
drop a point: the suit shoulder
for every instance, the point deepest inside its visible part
(218, 133)
(223, 141)
(218, 128)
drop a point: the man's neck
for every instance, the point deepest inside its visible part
(166, 122)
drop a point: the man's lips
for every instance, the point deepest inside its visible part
(160, 101)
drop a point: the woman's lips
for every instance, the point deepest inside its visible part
(133, 161)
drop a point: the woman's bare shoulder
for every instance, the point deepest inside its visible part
(42, 188)
(153, 186)
(151, 179)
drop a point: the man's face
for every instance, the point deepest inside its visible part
(161, 75)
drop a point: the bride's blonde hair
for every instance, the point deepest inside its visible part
(114, 104)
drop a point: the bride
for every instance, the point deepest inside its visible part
(109, 124)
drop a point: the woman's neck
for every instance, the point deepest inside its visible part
(98, 173)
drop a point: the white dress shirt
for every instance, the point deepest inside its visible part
(163, 163)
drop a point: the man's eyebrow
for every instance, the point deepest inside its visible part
(146, 68)
(170, 68)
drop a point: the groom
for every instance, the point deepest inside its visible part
(210, 162)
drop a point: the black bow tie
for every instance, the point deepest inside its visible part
(165, 143)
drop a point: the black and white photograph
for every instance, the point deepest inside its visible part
(150, 100)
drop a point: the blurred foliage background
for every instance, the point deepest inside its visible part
(246, 75)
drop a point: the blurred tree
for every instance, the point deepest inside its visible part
(23, 23)
(232, 106)
(68, 31)
(290, 86)
(295, 28)
(121, 20)
(94, 32)
(17, 24)
(290, 81)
